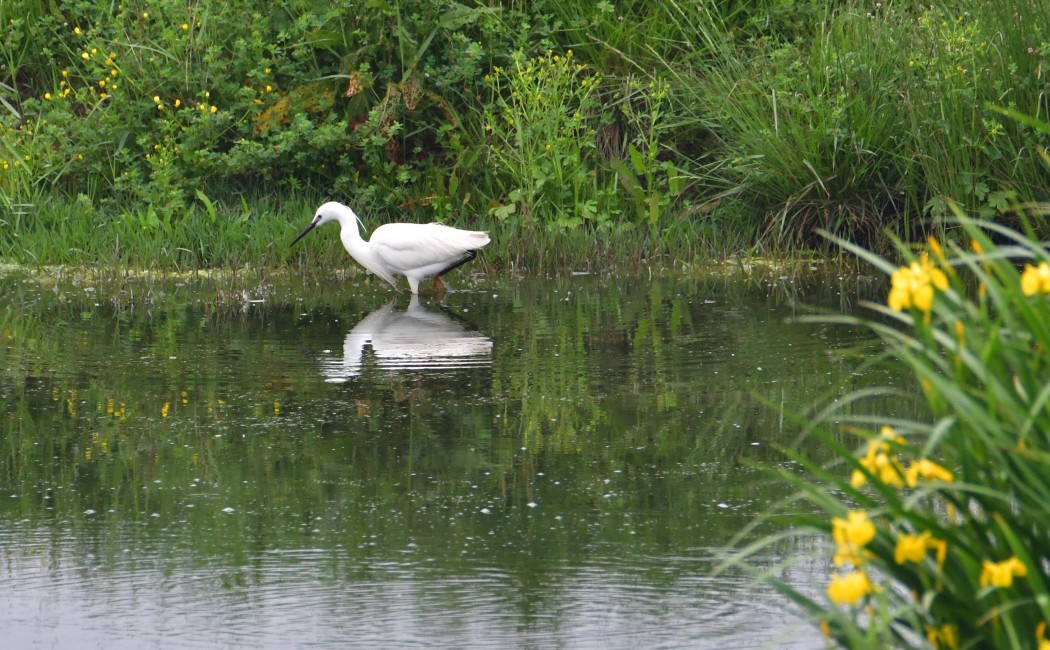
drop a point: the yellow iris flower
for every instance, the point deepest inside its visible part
(913, 285)
(848, 589)
(1002, 574)
(1035, 279)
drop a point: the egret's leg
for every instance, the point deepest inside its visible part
(413, 284)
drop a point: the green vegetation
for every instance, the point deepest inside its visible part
(940, 526)
(163, 134)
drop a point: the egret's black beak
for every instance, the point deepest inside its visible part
(313, 224)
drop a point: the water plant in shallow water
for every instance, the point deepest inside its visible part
(940, 528)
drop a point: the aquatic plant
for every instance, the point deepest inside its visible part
(943, 524)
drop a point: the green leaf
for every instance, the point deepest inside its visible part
(675, 184)
(504, 211)
(461, 15)
(208, 205)
(637, 160)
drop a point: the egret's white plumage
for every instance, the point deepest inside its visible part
(414, 250)
(414, 339)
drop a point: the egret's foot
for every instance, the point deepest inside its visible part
(439, 285)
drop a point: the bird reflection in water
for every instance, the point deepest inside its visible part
(414, 339)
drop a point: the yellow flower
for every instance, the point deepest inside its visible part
(856, 529)
(929, 470)
(1002, 574)
(145, 15)
(76, 30)
(935, 248)
(164, 410)
(940, 548)
(848, 553)
(945, 636)
(848, 589)
(213, 109)
(113, 72)
(178, 102)
(185, 27)
(85, 56)
(156, 99)
(1035, 279)
(269, 88)
(47, 96)
(878, 461)
(911, 548)
(913, 285)
(1040, 631)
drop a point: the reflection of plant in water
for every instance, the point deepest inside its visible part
(591, 393)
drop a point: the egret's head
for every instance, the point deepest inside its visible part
(330, 211)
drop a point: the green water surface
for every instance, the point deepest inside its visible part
(325, 463)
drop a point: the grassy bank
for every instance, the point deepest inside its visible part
(162, 134)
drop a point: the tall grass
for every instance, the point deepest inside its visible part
(941, 527)
(812, 132)
(882, 118)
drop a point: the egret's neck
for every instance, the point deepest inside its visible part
(349, 233)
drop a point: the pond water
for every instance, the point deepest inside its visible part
(307, 463)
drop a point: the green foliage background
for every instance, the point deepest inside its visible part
(178, 133)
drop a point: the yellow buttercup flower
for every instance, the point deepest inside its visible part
(913, 285)
(1002, 574)
(1035, 279)
(928, 470)
(848, 589)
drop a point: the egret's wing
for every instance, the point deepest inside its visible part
(410, 246)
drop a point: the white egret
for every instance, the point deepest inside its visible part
(414, 250)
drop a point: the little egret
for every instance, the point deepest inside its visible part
(414, 250)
